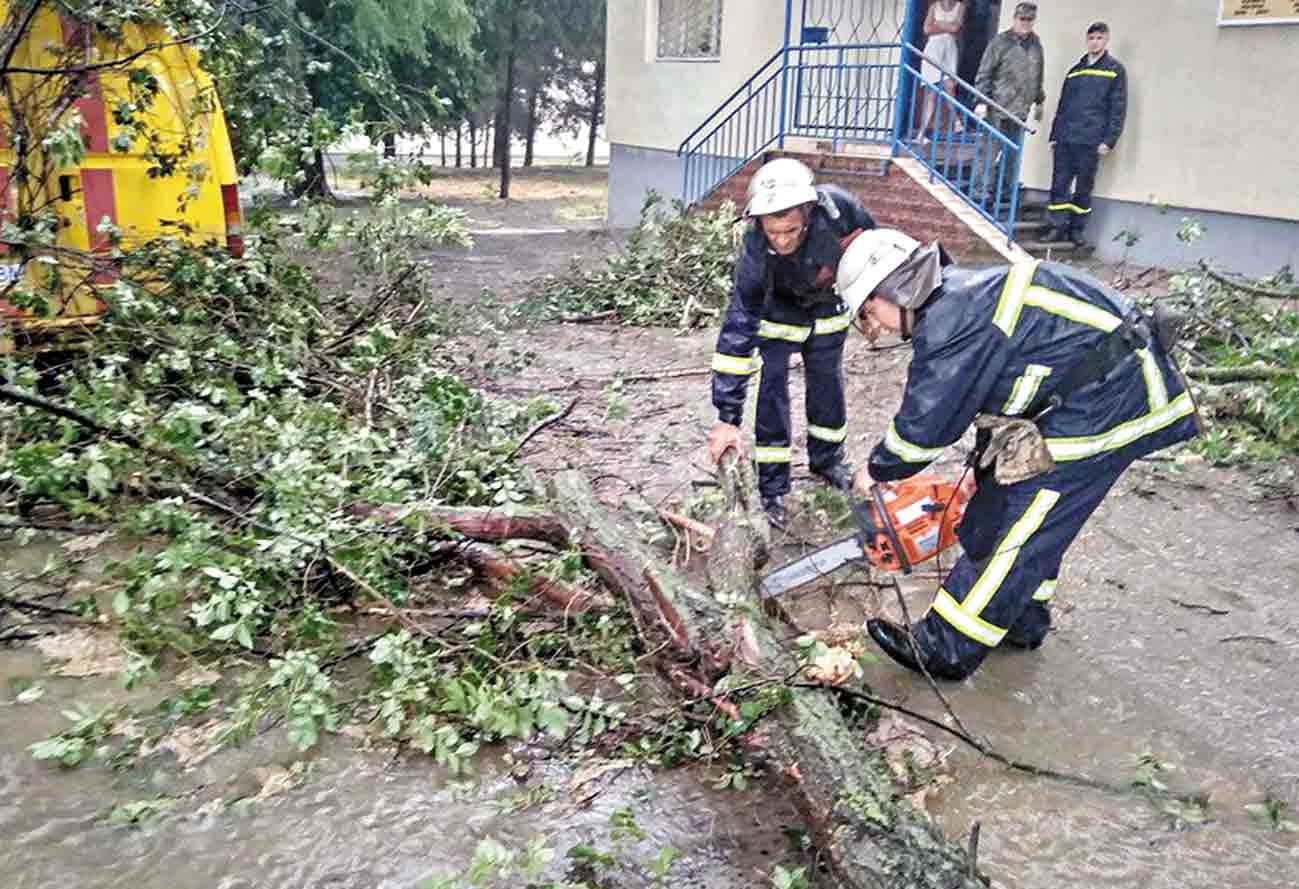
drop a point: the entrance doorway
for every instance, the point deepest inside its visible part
(979, 27)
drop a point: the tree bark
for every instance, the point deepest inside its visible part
(459, 130)
(473, 144)
(503, 127)
(844, 790)
(1249, 373)
(442, 138)
(476, 523)
(502, 573)
(389, 145)
(667, 611)
(314, 182)
(530, 134)
(597, 112)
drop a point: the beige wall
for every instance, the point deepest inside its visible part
(1213, 113)
(655, 104)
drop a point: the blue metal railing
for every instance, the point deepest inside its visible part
(843, 93)
(855, 93)
(976, 159)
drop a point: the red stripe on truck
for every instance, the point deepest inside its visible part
(101, 203)
(91, 104)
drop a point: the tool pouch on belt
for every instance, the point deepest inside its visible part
(1015, 449)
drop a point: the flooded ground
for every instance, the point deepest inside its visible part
(264, 815)
(1176, 639)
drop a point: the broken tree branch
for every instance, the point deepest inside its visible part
(1255, 289)
(1252, 373)
(502, 573)
(688, 524)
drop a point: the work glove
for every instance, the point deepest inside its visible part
(981, 110)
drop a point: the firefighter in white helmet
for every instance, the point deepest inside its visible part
(1067, 384)
(784, 303)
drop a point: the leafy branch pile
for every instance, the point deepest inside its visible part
(675, 269)
(228, 416)
(1242, 338)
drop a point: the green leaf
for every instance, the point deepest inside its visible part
(99, 479)
(224, 633)
(31, 694)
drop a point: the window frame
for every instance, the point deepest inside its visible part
(656, 9)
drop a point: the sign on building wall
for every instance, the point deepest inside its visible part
(1259, 12)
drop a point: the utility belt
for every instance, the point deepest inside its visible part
(1013, 448)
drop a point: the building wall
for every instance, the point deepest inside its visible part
(1211, 110)
(655, 104)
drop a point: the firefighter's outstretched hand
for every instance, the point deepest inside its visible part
(721, 438)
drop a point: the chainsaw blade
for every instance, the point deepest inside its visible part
(823, 561)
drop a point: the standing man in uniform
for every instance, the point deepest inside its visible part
(784, 302)
(1069, 384)
(1011, 75)
(1087, 126)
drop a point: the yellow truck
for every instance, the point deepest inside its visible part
(154, 159)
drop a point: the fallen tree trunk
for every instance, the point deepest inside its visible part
(842, 787)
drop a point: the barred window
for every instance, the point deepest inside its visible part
(690, 29)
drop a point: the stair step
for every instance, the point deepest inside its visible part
(1028, 227)
(1057, 248)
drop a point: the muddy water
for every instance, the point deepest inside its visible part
(1176, 635)
(354, 819)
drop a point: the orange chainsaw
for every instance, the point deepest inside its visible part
(899, 525)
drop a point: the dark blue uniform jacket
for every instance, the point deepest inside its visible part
(801, 292)
(1093, 103)
(993, 341)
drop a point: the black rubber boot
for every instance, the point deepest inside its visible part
(1029, 632)
(838, 476)
(1055, 236)
(897, 644)
(774, 507)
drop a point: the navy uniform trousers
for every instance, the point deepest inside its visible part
(1014, 538)
(1073, 167)
(826, 416)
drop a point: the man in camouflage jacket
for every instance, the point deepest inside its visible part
(1011, 74)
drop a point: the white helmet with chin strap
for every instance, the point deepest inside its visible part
(779, 185)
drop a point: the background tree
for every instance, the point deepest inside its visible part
(295, 71)
(579, 81)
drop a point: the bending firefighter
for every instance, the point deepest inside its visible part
(1067, 383)
(784, 302)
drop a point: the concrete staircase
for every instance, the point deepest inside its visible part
(1031, 225)
(897, 192)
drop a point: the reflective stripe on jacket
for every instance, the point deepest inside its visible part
(1093, 103)
(802, 303)
(993, 341)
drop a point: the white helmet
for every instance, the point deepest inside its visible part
(779, 185)
(872, 256)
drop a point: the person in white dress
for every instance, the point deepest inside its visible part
(942, 23)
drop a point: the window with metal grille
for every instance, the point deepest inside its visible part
(690, 29)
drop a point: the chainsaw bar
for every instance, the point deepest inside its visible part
(802, 571)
